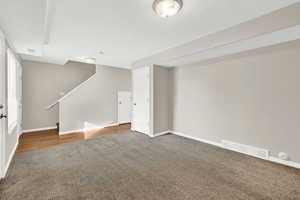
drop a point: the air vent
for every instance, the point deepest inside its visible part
(246, 149)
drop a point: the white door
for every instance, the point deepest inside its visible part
(3, 110)
(124, 107)
(10, 102)
(141, 100)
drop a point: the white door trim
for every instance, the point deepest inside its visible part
(3, 96)
(6, 166)
(132, 96)
(151, 129)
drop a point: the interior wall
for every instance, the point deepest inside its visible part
(95, 103)
(43, 84)
(251, 98)
(161, 101)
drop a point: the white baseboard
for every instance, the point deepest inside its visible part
(39, 129)
(270, 158)
(198, 139)
(284, 162)
(9, 160)
(87, 129)
(160, 134)
(246, 149)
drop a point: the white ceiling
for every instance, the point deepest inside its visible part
(125, 30)
(239, 38)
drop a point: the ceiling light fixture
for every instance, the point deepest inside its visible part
(90, 60)
(167, 8)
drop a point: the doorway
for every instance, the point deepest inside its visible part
(124, 107)
(141, 100)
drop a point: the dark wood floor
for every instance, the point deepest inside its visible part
(45, 139)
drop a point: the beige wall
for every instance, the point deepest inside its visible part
(161, 100)
(42, 85)
(251, 98)
(94, 104)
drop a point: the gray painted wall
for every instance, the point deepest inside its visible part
(42, 85)
(94, 104)
(251, 98)
(161, 98)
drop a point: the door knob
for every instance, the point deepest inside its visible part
(3, 116)
(134, 104)
(1, 106)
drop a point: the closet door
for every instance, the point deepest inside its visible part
(124, 107)
(141, 100)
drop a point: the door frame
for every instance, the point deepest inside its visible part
(3, 126)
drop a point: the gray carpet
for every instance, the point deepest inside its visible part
(131, 166)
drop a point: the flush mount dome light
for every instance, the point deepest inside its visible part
(90, 60)
(167, 8)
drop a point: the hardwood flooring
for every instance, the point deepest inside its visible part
(44, 139)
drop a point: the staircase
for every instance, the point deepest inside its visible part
(93, 103)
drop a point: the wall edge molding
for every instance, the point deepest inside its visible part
(273, 159)
(38, 129)
(6, 167)
(87, 129)
(161, 133)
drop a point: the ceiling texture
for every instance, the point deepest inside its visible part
(119, 33)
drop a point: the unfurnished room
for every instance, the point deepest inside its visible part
(149, 100)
